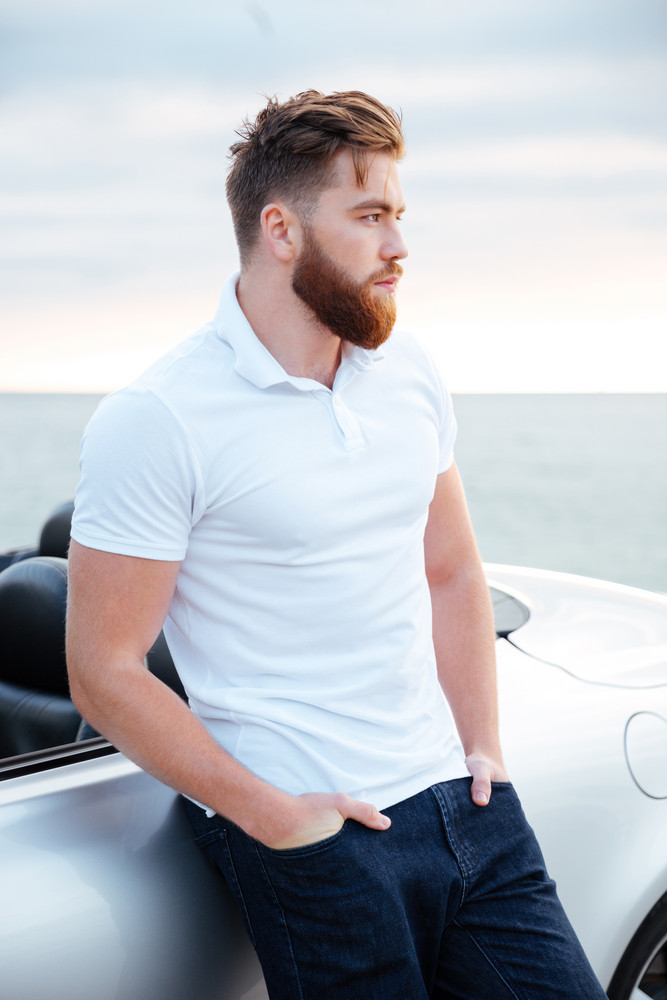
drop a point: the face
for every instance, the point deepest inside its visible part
(347, 269)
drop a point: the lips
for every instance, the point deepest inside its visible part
(387, 281)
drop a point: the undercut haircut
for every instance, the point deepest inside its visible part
(286, 153)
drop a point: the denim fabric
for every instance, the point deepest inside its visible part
(452, 902)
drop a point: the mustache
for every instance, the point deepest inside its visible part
(393, 270)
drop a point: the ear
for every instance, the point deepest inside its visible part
(281, 230)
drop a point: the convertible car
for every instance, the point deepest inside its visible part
(103, 894)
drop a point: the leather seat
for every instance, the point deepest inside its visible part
(53, 540)
(35, 708)
(55, 535)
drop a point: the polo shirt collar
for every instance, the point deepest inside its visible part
(257, 365)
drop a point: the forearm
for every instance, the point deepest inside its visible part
(464, 639)
(116, 607)
(152, 726)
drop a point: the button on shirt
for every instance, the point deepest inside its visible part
(301, 622)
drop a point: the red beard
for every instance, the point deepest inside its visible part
(351, 311)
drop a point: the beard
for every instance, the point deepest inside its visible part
(349, 309)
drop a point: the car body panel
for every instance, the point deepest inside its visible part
(107, 895)
(563, 731)
(602, 838)
(602, 632)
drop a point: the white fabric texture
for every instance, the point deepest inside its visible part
(301, 622)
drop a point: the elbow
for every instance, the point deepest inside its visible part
(80, 673)
(464, 577)
(77, 687)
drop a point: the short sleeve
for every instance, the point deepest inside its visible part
(448, 430)
(444, 407)
(140, 485)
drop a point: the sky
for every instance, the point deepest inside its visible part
(535, 179)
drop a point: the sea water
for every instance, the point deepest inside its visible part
(576, 483)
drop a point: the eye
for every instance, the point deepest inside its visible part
(374, 217)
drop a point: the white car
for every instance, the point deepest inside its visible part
(104, 895)
(583, 700)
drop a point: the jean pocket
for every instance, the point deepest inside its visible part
(304, 850)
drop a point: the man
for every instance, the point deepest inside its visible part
(280, 492)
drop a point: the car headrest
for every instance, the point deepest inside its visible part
(33, 602)
(54, 539)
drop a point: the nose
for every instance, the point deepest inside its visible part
(394, 247)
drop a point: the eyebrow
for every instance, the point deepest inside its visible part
(384, 206)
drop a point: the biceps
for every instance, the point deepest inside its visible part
(449, 541)
(115, 603)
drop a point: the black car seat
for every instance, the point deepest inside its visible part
(53, 540)
(54, 537)
(35, 708)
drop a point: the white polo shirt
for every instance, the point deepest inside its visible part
(301, 622)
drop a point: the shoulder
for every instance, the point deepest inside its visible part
(420, 378)
(188, 368)
(172, 392)
(408, 356)
(406, 348)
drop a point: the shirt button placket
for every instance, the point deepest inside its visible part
(348, 424)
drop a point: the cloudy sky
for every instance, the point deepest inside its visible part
(536, 177)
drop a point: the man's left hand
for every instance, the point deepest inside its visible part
(484, 771)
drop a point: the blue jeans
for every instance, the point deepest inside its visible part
(451, 902)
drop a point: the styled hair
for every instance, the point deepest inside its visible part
(287, 153)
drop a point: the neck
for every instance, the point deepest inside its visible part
(286, 326)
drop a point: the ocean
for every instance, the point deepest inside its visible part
(575, 483)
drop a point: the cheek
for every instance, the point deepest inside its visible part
(354, 252)
(347, 243)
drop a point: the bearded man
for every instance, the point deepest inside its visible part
(279, 491)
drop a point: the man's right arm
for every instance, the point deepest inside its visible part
(116, 608)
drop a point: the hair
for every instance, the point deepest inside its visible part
(287, 153)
